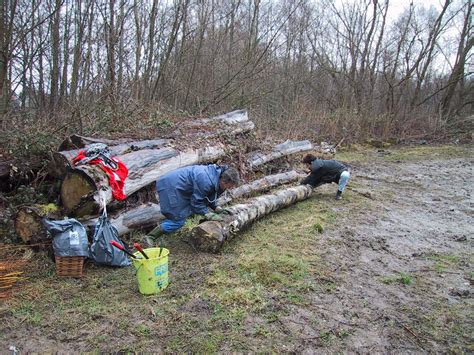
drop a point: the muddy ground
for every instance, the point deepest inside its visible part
(387, 269)
(420, 228)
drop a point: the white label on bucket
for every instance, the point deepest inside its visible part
(73, 238)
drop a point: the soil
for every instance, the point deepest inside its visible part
(422, 225)
(398, 272)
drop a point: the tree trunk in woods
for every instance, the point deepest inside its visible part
(210, 236)
(28, 223)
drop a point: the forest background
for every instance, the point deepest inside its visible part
(317, 69)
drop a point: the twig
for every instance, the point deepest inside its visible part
(420, 341)
(340, 142)
(441, 272)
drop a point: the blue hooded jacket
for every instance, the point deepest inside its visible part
(189, 190)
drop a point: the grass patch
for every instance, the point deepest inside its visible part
(427, 152)
(444, 262)
(363, 154)
(401, 278)
(441, 321)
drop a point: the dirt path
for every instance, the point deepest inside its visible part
(403, 267)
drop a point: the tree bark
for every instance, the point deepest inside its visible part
(55, 56)
(76, 141)
(259, 185)
(457, 74)
(280, 150)
(210, 236)
(145, 216)
(61, 162)
(81, 186)
(148, 215)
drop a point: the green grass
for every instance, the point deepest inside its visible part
(401, 278)
(405, 153)
(443, 263)
(441, 321)
(427, 152)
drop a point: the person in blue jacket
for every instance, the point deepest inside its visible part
(191, 190)
(326, 172)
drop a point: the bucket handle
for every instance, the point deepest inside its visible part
(141, 264)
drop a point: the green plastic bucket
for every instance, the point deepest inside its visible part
(152, 273)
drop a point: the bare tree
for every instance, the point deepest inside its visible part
(457, 77)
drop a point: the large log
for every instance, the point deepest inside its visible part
(143, 217)
(230, 118)
(259, 185)
(81, 186)
(61, 162)
(199, 143)
(76, 142)
(231, 124)
(280, 150)
(148, 215)
(287, 148)
(210, 236)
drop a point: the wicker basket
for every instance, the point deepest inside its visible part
(69, 265)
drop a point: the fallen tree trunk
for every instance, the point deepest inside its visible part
(142, 217)
(61, 162)
(148, 215)
(210, 236)
(31, 230)
(259, 185)
(287, 148)
(280, 150)
(81, 186)
(77, 142)
(79, 189)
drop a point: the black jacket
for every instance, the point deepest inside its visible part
(324, 172)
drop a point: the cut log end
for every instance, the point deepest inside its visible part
(28, 224)
(74, 189)
(208, 236)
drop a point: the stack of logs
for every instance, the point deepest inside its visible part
(200, 141)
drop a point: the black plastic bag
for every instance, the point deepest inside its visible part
(101, 251)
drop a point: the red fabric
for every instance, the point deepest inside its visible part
(116, 177)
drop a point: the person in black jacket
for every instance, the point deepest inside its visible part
(326, 172)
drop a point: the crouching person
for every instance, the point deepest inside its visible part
(188, 191)
(326, 172)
